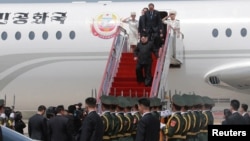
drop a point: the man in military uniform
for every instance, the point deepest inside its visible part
(154, 103)
(190, 135)
(130, 118)
(208, 117)
(106, 118)
(175, 125)
(122, 103)
(115, 119)
(200, 105)
(186, 116)
(197, 115)
(137, 116)
(2, 114)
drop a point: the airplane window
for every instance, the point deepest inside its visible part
(58, 35)
(72, 35)
(18, 35)
(228, 32)
(243, 32)
(45, 35)
(4, 35)
(215, 32)
(31, 35)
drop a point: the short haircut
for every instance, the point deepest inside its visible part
(41, 108)
(235, 104)
(145, 8)
(71, 109)
(59, 108)
(91, 102)
(151, 4)
(227, 113)
(144, 101)
(244, 107)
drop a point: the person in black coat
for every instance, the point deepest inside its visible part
(152, 23)
(37, 125)
(59, 126)
(227, 113)
(19, 124)
(236, 118)
(244, 113)
(141, 21)
(148, 128)
(143, 56)
(92, 127)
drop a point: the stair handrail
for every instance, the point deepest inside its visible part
(118, 46)
(159, 65)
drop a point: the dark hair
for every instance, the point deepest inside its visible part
(145, 8)
(18, 115)
(91, 102)
(144, 101)
(59, 108)
(41, 108)
(227, 113)
(235, 104)
(71, 109)
(151, 4)
(244, 107)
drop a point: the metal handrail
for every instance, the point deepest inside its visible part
(159, 66)
(118, 45)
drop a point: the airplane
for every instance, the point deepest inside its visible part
(56, 53)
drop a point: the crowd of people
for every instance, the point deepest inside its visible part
(126, 119)
(237, 114)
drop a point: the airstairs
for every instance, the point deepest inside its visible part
(119, 78)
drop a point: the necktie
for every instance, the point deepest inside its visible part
(151, 14)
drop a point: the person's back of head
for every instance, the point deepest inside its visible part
(60, 109)
(143, 105)
(71, 109)
(90, 102)
(235, 104)
(227, 113)
(41, 108)
(244, 107)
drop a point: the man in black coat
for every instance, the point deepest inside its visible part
(244, 113)
(142, 20)
(236, 118)
(152, 22)
(59, 126)
(143, 55)
(148, 127)
(37, 125)
(92, 127)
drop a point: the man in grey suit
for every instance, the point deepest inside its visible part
(148, 127)
(92, 127)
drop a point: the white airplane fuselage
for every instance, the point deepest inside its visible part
(64, 67)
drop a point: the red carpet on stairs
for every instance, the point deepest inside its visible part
(125, 79)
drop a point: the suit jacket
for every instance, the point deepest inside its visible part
(140, 25)
(236, 119)
(59, 128)
(247, 118)
(92, 128)
(148, 128)
(37, 127)
(152, 21)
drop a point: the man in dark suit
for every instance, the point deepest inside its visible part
(152, 23)
(148, 127)
(37, 125)
(143, 56)
(59, 126)
(92, 127)
(244, 113)
(236, 118)
(141, 20)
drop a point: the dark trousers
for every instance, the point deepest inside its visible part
(146, 70)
